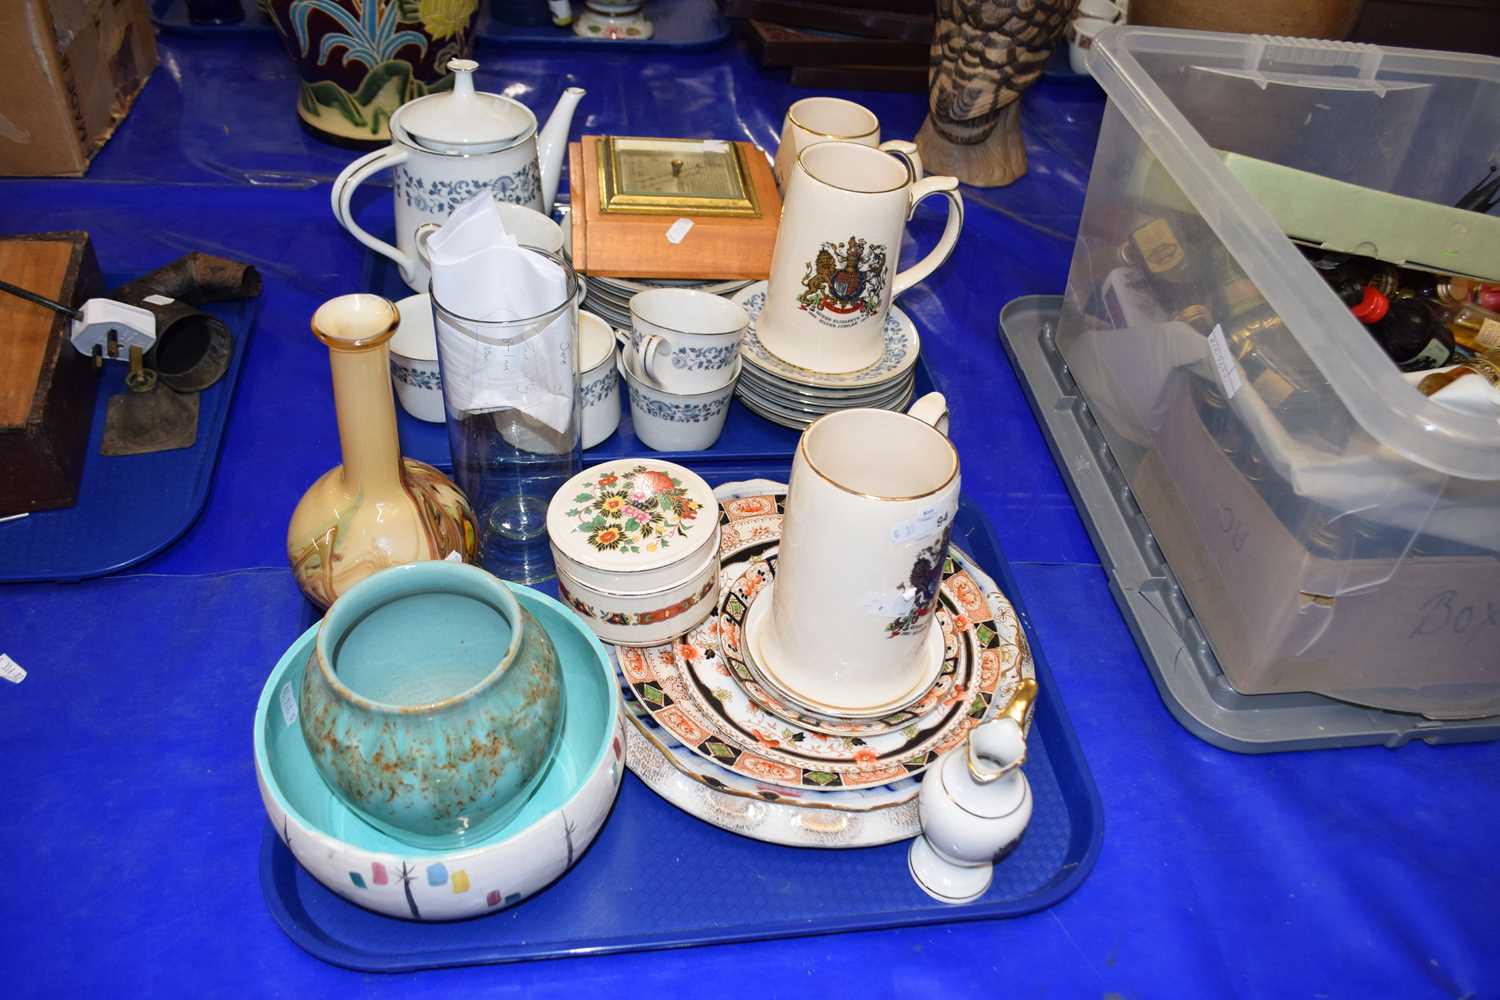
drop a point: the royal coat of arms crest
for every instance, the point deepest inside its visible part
(844, 282)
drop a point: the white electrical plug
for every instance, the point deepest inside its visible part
(112, 328)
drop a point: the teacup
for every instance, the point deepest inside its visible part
(414, 361)
(670, 421)
(819, 119)
(869, 509)
(833, 271)
(598, 379)
(686, 341)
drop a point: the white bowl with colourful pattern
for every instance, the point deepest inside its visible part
(374, 870)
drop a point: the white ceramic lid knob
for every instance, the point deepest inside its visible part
(463, 78)
(465, 120)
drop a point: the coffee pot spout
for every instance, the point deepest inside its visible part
(552, 143)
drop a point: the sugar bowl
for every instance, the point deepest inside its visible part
(636, 544)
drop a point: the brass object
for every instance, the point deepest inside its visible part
(139, 378)
(644, 176)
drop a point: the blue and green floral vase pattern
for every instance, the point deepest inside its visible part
(360, 60)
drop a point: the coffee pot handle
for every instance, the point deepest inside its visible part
(931, 409)
(907, 151)
(948, 188)
(343, 190)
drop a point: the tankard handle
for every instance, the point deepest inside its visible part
(350, 178)
(948, 188)
(905, 150)
(931, 409)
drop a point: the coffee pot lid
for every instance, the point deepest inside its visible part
(464, 120)
(632, 514)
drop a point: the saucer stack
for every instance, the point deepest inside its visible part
(708, 732)
(794, 397)
(610, 297)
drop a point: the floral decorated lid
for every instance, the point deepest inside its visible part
(465, 120)
(632, 514)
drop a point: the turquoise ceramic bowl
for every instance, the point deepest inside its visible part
(375, 870)
(432, 703)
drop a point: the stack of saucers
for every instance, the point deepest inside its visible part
(709, 735)
(794, 397)
(610, 297)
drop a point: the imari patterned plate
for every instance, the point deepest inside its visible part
(832, 818)
(942, 696)
(901, 348)
(688, 688)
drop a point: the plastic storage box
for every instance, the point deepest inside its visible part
(1334, 530)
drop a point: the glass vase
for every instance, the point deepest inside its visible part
(514, 417)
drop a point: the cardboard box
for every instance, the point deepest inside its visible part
(69, 71)
(1419, 633)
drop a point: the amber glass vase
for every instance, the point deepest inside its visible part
(376, 508)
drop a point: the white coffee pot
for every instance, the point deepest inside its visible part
(974, 805)
(445, 149)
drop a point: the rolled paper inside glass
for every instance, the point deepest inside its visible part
(494, 361)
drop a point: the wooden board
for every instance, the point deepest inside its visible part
(865, 21)
(780, 45)
(46, 387)
(636, 246)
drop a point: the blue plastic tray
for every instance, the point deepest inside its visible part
(659, 878)
(680, 24)
(130, 506)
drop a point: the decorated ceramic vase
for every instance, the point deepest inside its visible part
(974, 806)
(432, 703)
(360, 60)
(376, 509)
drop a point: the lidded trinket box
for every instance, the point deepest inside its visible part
(636, 543)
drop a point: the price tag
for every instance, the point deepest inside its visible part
(288, 704)
(926, 523)
(678, 231)
(11, 670)
(158, 300)
(1229, 373)
(1489, 335)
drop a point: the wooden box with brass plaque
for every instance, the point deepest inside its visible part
(672, 208)
(46, 386)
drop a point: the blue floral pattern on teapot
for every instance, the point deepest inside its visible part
(442, 197)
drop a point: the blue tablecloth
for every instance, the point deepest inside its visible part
(131, 817)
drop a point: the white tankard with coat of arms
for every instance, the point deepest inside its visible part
(833, 272)
(869, 509)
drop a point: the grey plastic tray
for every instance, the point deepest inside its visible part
(1171, 641)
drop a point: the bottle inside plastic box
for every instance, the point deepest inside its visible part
(1334, 530)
